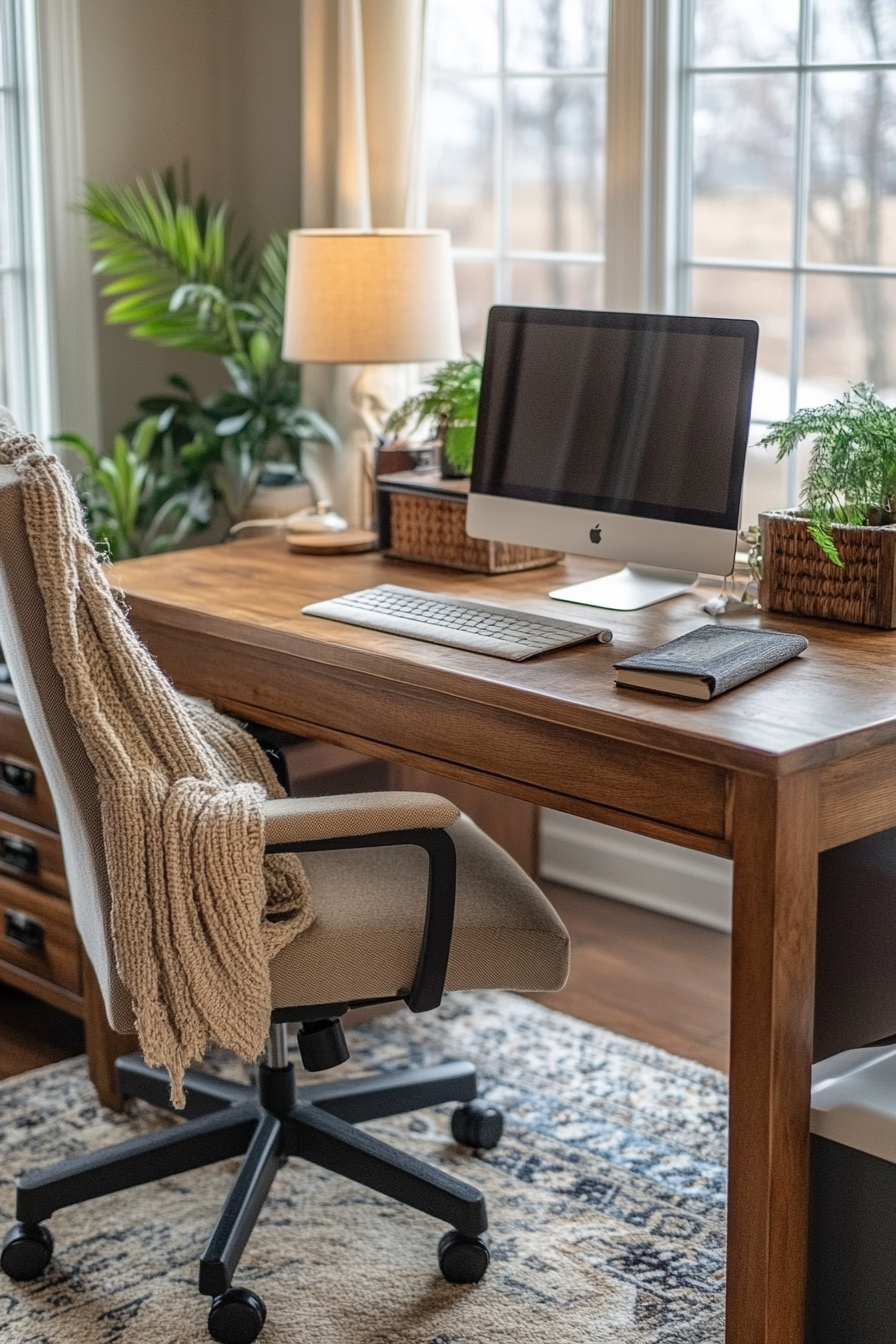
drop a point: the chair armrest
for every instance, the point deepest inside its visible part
(372, 820)
(287, 820)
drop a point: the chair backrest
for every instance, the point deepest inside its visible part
(25, 641)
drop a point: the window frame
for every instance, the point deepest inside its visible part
(30, 388)
(797, 267)
(502, 257)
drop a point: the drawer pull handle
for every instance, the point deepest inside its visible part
(17, 778)
(18, 856)
(23, 931)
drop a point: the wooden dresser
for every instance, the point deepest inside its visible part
(39, 947)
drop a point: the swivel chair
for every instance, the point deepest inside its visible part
(410, 899)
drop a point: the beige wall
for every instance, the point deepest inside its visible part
(212, 81)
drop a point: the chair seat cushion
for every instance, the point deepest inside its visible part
(369, 906)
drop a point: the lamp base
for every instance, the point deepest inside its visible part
(351, 542)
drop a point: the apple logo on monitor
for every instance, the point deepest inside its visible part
(594, 534)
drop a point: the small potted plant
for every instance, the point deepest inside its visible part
(423, 518)
(450, 400)
(835, 556)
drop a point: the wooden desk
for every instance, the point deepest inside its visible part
(799, 761)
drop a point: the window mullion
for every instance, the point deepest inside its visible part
(502, 165)
(19, 389)
(636, 211)
(800, 221)
(685, 138)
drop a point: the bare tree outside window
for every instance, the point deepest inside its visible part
(789, 171)
(787, 188)
(516, 150)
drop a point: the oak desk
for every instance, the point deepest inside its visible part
(799, 761)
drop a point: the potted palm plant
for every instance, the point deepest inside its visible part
(176, 278)
(835, 556)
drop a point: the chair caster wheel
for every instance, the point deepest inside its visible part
(477, 1125)
(463, 1259)
(236, 1317)
(26, 1252)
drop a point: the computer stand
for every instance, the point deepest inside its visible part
(629, 589)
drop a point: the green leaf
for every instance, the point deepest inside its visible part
(233, 424)
(459, 442)
(259, 351)
(151, 244)
(144, 436)
(826, 542)
(80, 445)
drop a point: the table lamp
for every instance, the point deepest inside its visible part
(381, 296)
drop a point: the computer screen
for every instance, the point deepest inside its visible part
(636, 414)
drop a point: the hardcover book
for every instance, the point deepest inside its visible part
(708, 661)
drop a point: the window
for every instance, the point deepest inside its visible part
(24, 362)
(515, 150)
(788, 192)
(783, 201)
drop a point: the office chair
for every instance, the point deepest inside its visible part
(410, 897)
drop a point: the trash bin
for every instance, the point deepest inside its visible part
(852, 1219)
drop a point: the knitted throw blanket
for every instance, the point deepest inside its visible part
(198, 910)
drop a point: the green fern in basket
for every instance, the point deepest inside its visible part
(852, 471)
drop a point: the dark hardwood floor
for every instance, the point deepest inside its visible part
(645, 975)
(642, 974)
(33, 1033)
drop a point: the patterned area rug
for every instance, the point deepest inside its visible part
(606, 1198)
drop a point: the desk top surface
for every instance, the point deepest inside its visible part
(837, 699)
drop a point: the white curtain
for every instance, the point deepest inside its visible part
(362, 68)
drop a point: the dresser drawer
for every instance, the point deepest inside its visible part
(23, 788)
(32, 854)
(37, 935)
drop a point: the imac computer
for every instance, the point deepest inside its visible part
(617, 435)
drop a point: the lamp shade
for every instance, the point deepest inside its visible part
(386, 296)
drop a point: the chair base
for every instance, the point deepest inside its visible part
(267, 1125)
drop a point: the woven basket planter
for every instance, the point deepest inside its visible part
(797, 576)
(424, 519)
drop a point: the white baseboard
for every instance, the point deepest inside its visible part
(651, 873)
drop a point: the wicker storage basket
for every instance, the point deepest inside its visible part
(423, 518)
(798, 578)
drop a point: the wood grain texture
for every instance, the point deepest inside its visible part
(740, 775)
(857, 797)
(644, 975)
(447, 769)
(50, 872)
(15, 747)
(102, 1043)
(772, 988)
(837, 699)
(33, 1033)
(511, 823)
(384, 715)
(58, 960)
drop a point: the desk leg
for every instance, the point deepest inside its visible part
(103, 1044)
(772, 975)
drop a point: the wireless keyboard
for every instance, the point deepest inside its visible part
(462, 624)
